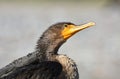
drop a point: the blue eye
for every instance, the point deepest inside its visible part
(65, 25)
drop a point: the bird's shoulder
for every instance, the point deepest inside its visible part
(42, 70)
(22, 61)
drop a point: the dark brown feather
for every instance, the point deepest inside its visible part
(42, 70)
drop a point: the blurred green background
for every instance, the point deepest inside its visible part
(96, 50)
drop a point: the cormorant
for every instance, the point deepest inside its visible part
(45, 62)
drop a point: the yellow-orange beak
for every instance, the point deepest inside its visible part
(72, 29)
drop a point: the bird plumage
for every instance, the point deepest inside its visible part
(45, 62)
(61, 67)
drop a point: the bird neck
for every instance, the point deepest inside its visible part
(69, 67)
(48, 45)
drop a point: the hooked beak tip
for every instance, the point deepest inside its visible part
(91, 23)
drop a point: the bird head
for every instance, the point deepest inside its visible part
(66, 29)
(58, 33)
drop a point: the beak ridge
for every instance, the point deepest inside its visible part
(79, 28)
(68, 32)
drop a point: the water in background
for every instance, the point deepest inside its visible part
(96, 50)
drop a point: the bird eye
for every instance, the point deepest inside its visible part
(65, 25)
